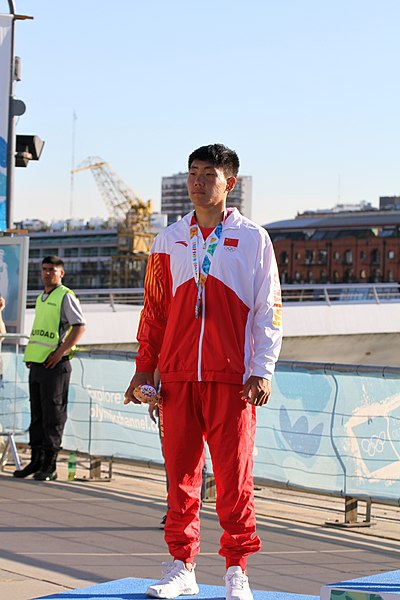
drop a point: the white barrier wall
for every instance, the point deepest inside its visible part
(340, 319)
(107, 325)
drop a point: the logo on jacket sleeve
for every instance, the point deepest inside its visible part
(231, 244)
(183, 243)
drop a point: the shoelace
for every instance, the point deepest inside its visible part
(168, 572)
(167, 569)
(237, 580)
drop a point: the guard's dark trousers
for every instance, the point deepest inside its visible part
(48, 390)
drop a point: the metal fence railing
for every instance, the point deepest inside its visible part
(319, 293)
(342, 293)
(109, 296)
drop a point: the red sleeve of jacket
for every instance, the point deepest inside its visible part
(153, 319)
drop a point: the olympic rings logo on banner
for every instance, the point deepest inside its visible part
(374, 445)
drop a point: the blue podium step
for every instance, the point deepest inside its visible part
(134, 589)
(383, 586)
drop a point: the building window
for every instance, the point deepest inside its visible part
(297, 277)
(323, 278)
(34, 253)
(284, 259)
(108, 251)
(363, 275)
(297, 256)
(336, 256)
(72, 267)
(71, 252)
(349, 276)
(363, 255)
(310, 277)
(376, 276)
(323, 257)
(89, 251)
(390, 254)
(310, 257)
(348, 257)
(375, 256)
(390, 276)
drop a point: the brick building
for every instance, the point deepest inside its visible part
(357, 247)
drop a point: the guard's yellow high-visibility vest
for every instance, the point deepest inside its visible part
(45, 335)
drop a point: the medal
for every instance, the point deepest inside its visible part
(201, 271)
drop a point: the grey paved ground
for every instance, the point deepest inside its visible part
(65, 535)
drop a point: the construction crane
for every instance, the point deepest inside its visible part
(133, 223)
(117, 195)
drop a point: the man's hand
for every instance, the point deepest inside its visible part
(2, 304)
(64, 349)
(138, 379)
(54, 359)
(257, 390)
(153, 411)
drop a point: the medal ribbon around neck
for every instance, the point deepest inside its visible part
(201, 273)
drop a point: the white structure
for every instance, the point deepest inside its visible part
(300, 321)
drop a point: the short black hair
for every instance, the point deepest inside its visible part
(53, 260)
(218, 155)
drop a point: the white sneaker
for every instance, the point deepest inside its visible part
(237, 585)
(175, 581)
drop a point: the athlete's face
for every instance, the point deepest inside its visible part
(51, 275)
(208, 185)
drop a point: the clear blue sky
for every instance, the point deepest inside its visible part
(306, 91)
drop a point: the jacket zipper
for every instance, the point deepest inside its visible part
(203, 313)
(200, 347)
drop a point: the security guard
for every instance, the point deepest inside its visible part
(58, 326)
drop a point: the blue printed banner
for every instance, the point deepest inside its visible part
(325, 430)
(5, 68)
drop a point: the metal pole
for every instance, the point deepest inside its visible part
(11, 132)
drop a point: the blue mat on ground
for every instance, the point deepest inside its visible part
(134, 589)
(373, 585)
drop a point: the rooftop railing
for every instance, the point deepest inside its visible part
(374, 293)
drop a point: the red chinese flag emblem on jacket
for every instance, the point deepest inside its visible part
(233, 242)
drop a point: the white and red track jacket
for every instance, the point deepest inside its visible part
(239, 332)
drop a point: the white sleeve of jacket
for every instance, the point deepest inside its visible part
(267, 323)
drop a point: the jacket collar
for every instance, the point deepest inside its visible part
(232, 220)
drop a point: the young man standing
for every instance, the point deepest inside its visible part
(211, 322)
(58, 326)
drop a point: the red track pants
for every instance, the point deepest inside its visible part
(192, 412)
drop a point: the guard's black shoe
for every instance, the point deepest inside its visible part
(45, 476)
(32, 467)
(48, 471)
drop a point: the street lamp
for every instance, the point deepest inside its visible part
(15, 108)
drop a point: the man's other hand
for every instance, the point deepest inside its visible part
(54, 359)
(153, 411)
(257, 390)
